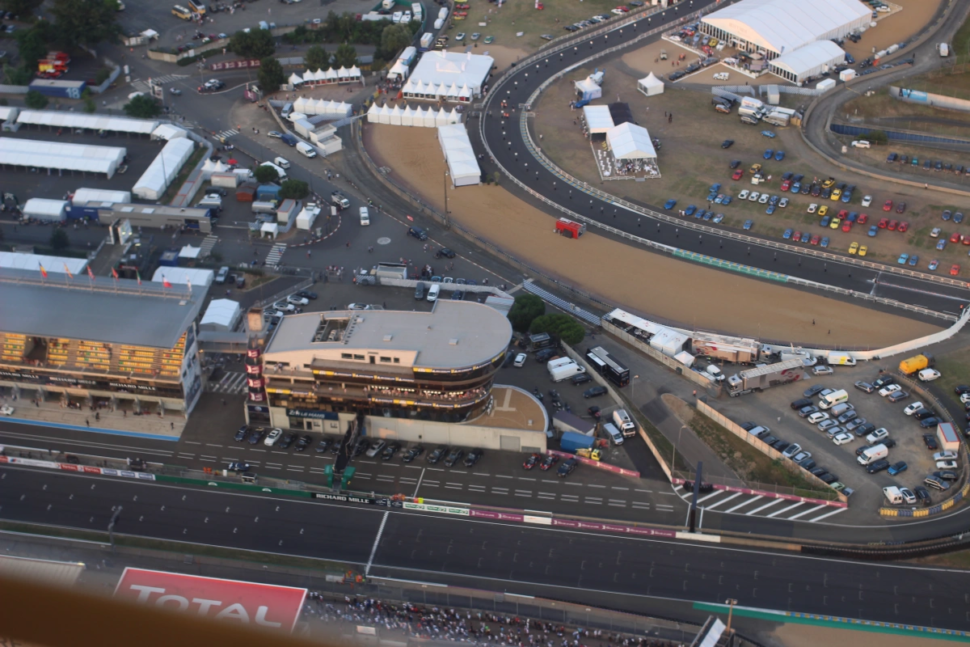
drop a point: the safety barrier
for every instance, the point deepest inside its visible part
(896, 135)
(563, 305)
(729, 265)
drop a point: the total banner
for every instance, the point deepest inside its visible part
(444, 509)
(498, 516)
(609, 527)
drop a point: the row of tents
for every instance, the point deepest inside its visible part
(309, 106)
(420, 90)
(409, 116)
(324, 77)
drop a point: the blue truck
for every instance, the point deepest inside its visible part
(571, 441)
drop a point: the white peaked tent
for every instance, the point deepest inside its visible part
(441, 119)
(629, 141)
(457, 148)
(372, 114)
(295, 79)
(407, 118)
(465, 94)
(430, 120)
(396, 116)
(343, 109)
(650, 85)
(331, 75)
(342, 73)
(454, 117)
(589, 89)
(398, 71)
(354, 72)
(452, 92)
(385, 115)
(300, 105)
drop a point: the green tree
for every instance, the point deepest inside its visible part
(59, 240)
(877, 137)
(89, 105)
(562, 326)
(85, 22)
(317, 58)
(17, 75)
(20, 8)
(345, 56)
(526, 308)
(394, 38)
(142, 106)
(270, 75)
(35, 100)
(257, 43)
(295, 189)
(266, 174)
(33, 43)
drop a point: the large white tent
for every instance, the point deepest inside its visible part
(447, 70)
(183, 276)
(163, 169)
(45, 209)
(168, 131)
(589, 89)
(84, 196)
(409, 116)
(69, 157)
(598, 119)
(61, 119)
(222, 315)
(462, 163)
(650, 85)
(630, 142)
(52, 264)
(779, 26)
(810, 60)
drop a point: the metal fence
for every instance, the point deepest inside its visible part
(563, 305)
(896, 135)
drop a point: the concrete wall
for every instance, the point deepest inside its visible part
(466, 435)
(757, 443)
(928, 99)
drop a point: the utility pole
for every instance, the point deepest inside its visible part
(111, 525)
(730, 602)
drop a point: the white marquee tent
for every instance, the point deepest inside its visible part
(163, 169)
(61, 119)
(598, 119)
(84, 196)
(418, 116)
(69, 157)
(650, 85)
(323, 77)
(45, 209)
(589, 89)
(52, 264)
(457, 148)
(630, 142)
(810, 60)
(448, 74)
(222, 315)
(780, 26)
(168, 131)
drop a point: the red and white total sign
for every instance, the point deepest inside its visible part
(266, 605)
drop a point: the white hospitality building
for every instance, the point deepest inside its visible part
(448, 75)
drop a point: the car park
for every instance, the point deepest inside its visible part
(323, 445)
(412, 453)
(273, 437)
(826, 424)
(435, 456)
(936, 483)
(889, 389)
(913, 408)
(531, 461)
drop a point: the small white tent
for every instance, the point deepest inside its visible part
(589, 89)
(385, 115)
(629, 141)
(407, 117)
(372, 114)
(222, 315)
(396, 116)
(650, 85)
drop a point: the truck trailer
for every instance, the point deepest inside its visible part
(762, 377)
(737, 352)
(915, 364)
(572, 441)
(564, 371)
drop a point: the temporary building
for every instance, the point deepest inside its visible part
(780, 26)
(629, 142)
(222, 315)
(69, 157)
(459, 154)
(825, 85)
(384, 116)
(465, 94)
(168, 131)
(9, 113)
(184, 276)
(295, 79)
(84, 196)
(51, 264)
(441, 119)
(398, 71)
(395, 116)
(407, 117)
(598, 119)
(163, 169)
(453, 68)
(44, 209)
(373, 114)
(61, 119)
(650, 85)
(811, 60)
(306, 217)
(589, 89)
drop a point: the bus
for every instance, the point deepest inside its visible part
(607, 366)
(181, 12)
(197, 7)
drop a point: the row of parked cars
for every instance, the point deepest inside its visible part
(597, 19)
(547, 462)
(795, 453)
(937, 165)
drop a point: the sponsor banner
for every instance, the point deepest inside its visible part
(615, 528)
(128, 474)
(247, 603)
(32, 462)
(916, 96)
(444, 509)
(348, 498)
(499, 516)
(542, 521)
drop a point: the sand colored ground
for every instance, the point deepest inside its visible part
(651, 284)
(796, 635)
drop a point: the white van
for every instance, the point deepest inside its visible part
(872, 454)
(433, 292)
(839, 409)
(306, 150)
(893, 495)
(287, 108)
(624, 422)
(714, 373)
(613, 433)
(282, 162)
(364, 217)
(834, 398)
(279, 169)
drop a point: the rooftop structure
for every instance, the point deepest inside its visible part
(810, 60)
(453, 69)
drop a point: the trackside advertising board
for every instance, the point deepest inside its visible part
(248, 603)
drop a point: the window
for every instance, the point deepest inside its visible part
(385, 360)
(397, 360)
(346, 356)
(359, 357)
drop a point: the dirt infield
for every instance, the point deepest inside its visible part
(648, 283)
(797, 635)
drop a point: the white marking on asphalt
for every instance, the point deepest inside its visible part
(804, 512)
(640, 504)
(502, 476)
(791, 507)
(213, 445)
(528, 494)
(481, 474)
(828, 514)
(377, 540)
(717, 503)
(453, 487)
(744, 503)
(438, 469)
(407, 480)
(593, 499)
(594, 485)
(191, 442)
(619, 488)
(208, 456)
(623, 501)
(767, 505)
(500, 490)
(208, 460)
(647, 491)
(294, 469)
(385, 477)
(522, 478)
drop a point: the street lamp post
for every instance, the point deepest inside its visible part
(730, 602)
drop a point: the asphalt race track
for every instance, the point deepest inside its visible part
(491, 555)
(527, 78)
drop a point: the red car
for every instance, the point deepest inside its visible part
(548, 462)
(846, 226)
(883, 223)
(862, 219)
(815, 239)
(966, 240)
(531, 461)
(888, 206)
(901, 207)
(843, 215)
(786, 185)
(955, 237)
(903, 227)
(796, 237)
(954, 269)
(738, 174)
(892, 225)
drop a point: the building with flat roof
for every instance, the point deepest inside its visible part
(431, 366)
(99, 341)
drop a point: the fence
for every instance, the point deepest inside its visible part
(669, 362)
(565, 306)
(285, 293)
(896, 135)
(772, 453)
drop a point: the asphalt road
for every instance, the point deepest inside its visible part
(505, 141)
(492, 555)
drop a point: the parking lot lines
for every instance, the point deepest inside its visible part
(744, 503)
(828, 514)
(804, 512)
(791, 507)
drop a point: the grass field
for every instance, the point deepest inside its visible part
(911, 116)
(955, 369)
(959, 560)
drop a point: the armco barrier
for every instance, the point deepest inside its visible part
(597, 464)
